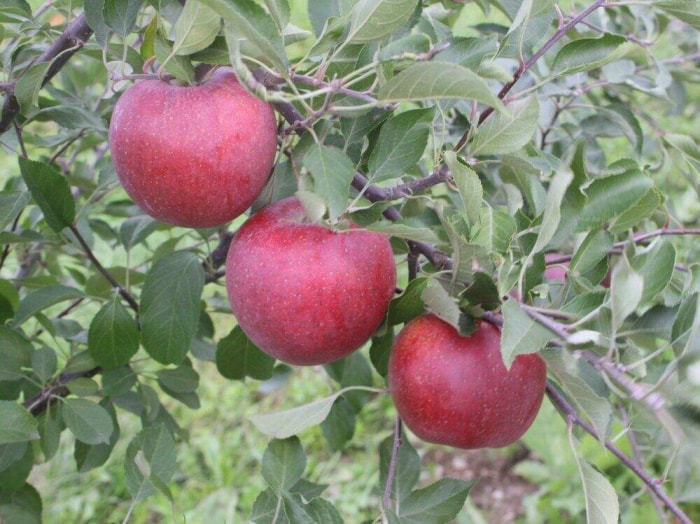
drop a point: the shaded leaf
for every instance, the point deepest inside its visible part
(120, 15)
(437, 503)
(283, 463)
(170, 306)
(149, 462)
(42, 298)
(113, 336)
(407, 468)
(89, 422)
(238, 357)
(11, 205)
(18, 425)
(50, 191)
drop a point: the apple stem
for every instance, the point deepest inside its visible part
(653, 485)
(398, 437)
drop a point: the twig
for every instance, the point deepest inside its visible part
(563, 404)
(398, 437)
(653, 234)
(65, 46)
(110, 278)
(39, 402)
(525, 66)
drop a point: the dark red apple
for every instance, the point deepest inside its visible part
(303, 293)
(193, 156)
(456, 390)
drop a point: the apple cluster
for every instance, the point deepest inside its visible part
(198, 156)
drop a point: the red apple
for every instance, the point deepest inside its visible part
(193, 156)
(456, 390)
(303, 293)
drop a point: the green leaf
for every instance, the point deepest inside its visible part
(521, 333)
(642, 209)
(50, 427)
(113, 336)
(15, 353)
(177, 65)
(602, 505)
(42, 298)
(685, 10)
(11, 205)
(247, 20)
(573, 381)
(135, 230)
(280, 11)
(655, 265)
(409, 304)
(44, 364)
(89, 456)
(120, 15)
(626, 291)
(507, 132)
(374, 19)
(29, 84)
(18, 425)
(610, 197)
(50, 191)
(149, 462)
(438, 301)
(332, 172)
(283, 463)
(495, 230)
(400, 145)
(284, 424)
(468, 186)
(21, 506)
(482, 291)
(437, 503)
(585, 54)
(20, 456)
(89, 422)
(438, 80)
(182, 379)
(196, 28)
(170, 306)
(339, 426)
(320, 510)
(380, 350)
(594, 248)
(398, 230)
(238, 357)
(552, 212)
(407, 468)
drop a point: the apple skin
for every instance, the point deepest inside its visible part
(456, 390)
(193, 156)
(303, 293)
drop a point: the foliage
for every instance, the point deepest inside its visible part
(480, 136)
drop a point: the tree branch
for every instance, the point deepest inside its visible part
(58, 388)
(71, 40)
(525, 66)
(563, 404)
(110, 278)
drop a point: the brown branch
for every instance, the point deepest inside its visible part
(58, 388)
(110, 278)
(65, 46)
(563, 404)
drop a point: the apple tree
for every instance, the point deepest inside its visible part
(517, 182)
